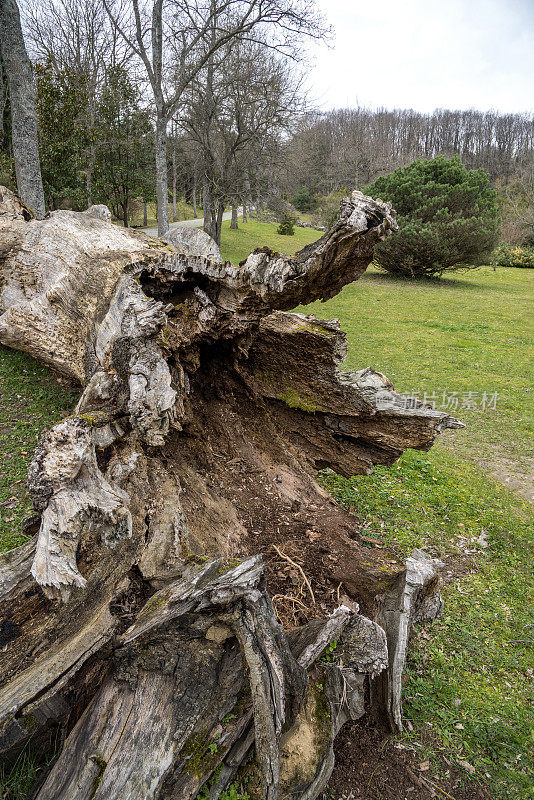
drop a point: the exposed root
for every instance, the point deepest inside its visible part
(297, 566)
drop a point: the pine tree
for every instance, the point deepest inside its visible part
(447, 215)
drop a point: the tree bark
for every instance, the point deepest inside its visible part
(162, 190)
(245, 198)
(208, 210)
(145, 214)
(218, 222)
(195, 192)
(89, 176)
(23, 108)
(174, 180)
(233, 223)
(142, 619)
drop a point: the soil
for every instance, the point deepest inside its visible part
(315, 559)
(510, 474)
(311, 545)
(273, 506)
(370, 765)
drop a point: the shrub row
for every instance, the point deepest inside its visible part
(507, 256)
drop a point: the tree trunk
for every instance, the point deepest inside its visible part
(174, 181)
(145, 214)
(162, 190)
(141, 627)
(218, 222)
(23, 108)
(208, 210)
(233, 223)
(3, 98)
(245, 198)
(195, 215)
(125, 212)
(89, 177)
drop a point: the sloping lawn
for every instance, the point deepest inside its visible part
(237, 245)
(468, 343)
(31, 401)
(469, 688)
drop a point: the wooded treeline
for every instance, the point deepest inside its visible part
(352, 147)
(170, 102)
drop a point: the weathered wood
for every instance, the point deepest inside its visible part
(139, 619)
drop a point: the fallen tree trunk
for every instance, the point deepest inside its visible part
(141, 621)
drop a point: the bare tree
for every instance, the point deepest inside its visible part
(347, 147)
(77, 39)
(187, 35)
(23, 108)
(517, 203)
(238, 108)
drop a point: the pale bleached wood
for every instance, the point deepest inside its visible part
(205, 411)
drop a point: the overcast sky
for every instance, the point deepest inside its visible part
(427, 54)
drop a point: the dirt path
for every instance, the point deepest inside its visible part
(187, 223)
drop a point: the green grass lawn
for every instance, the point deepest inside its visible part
(469, 337)
(183, 211)
(470, 686)
(237, 245)
(30, 402)
(470, 681)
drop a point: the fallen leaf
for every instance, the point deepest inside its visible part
(424, 765)
(467, 766)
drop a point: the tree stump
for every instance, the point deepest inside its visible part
(167, 622)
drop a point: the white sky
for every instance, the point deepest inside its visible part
(426, 54)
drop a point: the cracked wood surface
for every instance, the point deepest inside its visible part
(139, 618)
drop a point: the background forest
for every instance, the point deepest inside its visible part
(240, 132)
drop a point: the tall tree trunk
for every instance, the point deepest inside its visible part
(89, 179)
(218, 222)
(145, 214)
(125, 212)
(162, 188)
(174, 178)
(233, 223)
(92, 155)
(208, 210)
(23, 108)
(246, 194)
(195, 192)
(3, 98)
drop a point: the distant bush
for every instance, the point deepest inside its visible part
(447, 215)
(507, 256)
(327, 207)
(287, 224)
(303, 200)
